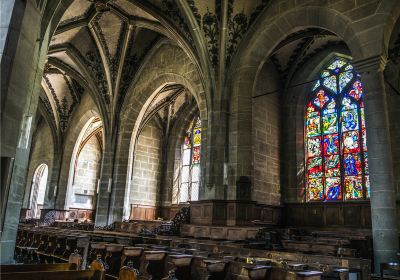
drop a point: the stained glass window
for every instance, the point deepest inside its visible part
(335, 139)
(188, 189)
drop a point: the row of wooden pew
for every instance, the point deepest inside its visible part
(156, 258)
(61, 271)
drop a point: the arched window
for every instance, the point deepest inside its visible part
(335, 139)
(38, 190)
(190, 163)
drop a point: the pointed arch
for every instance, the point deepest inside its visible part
(38, 190)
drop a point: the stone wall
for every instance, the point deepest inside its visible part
(167, 64)
(42, 152)
(145, 188)
(392, 75)
(86, 174)
(80, 117)
(265, 135)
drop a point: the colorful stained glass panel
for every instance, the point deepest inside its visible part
(344, 79)
(348, 104)
(364, 140)
(353, 187)
(336, 157)
(332, 166)
(329, 123)
(352, 164)
(367, 186)
(196, 155)
(362, 117)
(316, 85)
(366, 168)
(356, 92)
(332, 188)
(313, 126)
(331, 144)
(315, 190)
(311, 110)
(190, 168)
(197, 136)
(330, 82)
(338, 63)
(313, 147)
(350, 142)
(348, 67)
(330, 108)
(349, 120)
(325, 73)
(314, 167)
(188, 141)
(321, 99)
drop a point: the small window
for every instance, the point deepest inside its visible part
(188, 187)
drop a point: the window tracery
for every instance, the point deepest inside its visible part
(336, 154)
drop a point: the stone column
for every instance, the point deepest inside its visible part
(214, 186)
(21, 70)
(383, 204)
(106, 178)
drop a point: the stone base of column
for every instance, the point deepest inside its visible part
(233, 213)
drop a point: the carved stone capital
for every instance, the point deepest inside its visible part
(375, 63)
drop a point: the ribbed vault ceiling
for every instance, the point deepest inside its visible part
(98, 46)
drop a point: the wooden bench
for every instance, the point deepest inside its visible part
(58, 275)
(37, 267)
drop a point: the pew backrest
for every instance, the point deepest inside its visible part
(76, 259)
(128, 273)
(97, 265)
(10, 268)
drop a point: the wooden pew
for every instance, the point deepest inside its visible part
(59, 271)
(58, 275)
(37, 267)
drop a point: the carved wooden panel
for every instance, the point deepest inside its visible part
(333, 216)
(142, 212)
(207, 211)
(354, 214)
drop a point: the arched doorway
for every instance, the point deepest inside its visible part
(38, 190)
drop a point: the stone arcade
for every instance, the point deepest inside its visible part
(200, 139)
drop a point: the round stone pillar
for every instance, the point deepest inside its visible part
(383, 204)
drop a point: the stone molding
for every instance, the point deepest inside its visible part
(375, 63)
